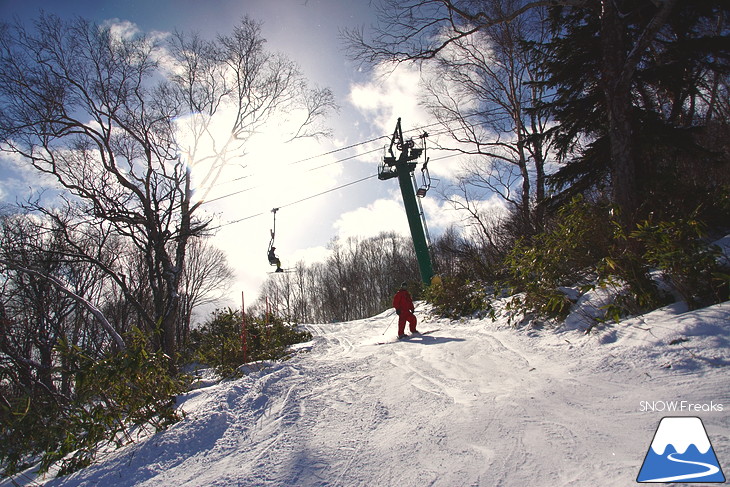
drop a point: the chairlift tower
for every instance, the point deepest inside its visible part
(402, 168)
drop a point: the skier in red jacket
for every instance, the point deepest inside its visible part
(404, 308)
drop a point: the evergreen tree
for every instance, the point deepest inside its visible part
(633, 99)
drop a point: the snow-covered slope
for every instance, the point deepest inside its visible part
(472, 403)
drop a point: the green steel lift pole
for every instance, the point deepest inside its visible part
(414, 220)
(404, 167)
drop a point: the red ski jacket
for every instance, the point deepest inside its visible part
(402, 301)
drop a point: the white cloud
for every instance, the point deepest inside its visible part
(392, 92)
(19, 180)
(382, 215)
(440, 215)
(396, 92)
(311, 255)
(122, 29)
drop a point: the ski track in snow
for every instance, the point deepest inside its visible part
(473, 403)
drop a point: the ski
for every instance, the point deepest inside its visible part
(416, 335)
(409, 337)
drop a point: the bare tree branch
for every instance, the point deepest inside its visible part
(84, 302)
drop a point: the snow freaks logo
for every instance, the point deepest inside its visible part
(681, 452)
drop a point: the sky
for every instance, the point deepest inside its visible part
(297, 178)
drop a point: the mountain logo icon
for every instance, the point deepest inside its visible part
(681, 452)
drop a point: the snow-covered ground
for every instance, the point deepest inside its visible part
(474, 402)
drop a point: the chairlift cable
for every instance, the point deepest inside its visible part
(352, 146)
(297, 201)
(342, 160)
(228, 195)
(331, 163)
(329, 190)
(375, 139)
(345, 158)
(312, 169)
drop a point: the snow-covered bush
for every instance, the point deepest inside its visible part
(691, 268)
(587, 249)
(130, 390)
(567, 255)
(219, 342)
(454, 298)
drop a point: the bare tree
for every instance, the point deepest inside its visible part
(229, 89)
(485, 91)
(46, 299)
(206, 276)
(485, 236)
(356, 280)
(105, 115)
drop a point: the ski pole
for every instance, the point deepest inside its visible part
(391, 322)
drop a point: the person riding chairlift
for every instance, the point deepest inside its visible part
(274, 260)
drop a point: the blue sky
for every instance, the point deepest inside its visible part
(370, 103)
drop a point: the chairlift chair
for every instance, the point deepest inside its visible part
(387, 169)
(425, 176)
(386, 172)
(273, 260)
(421, 192)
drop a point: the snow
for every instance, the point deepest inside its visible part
(474, 402)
